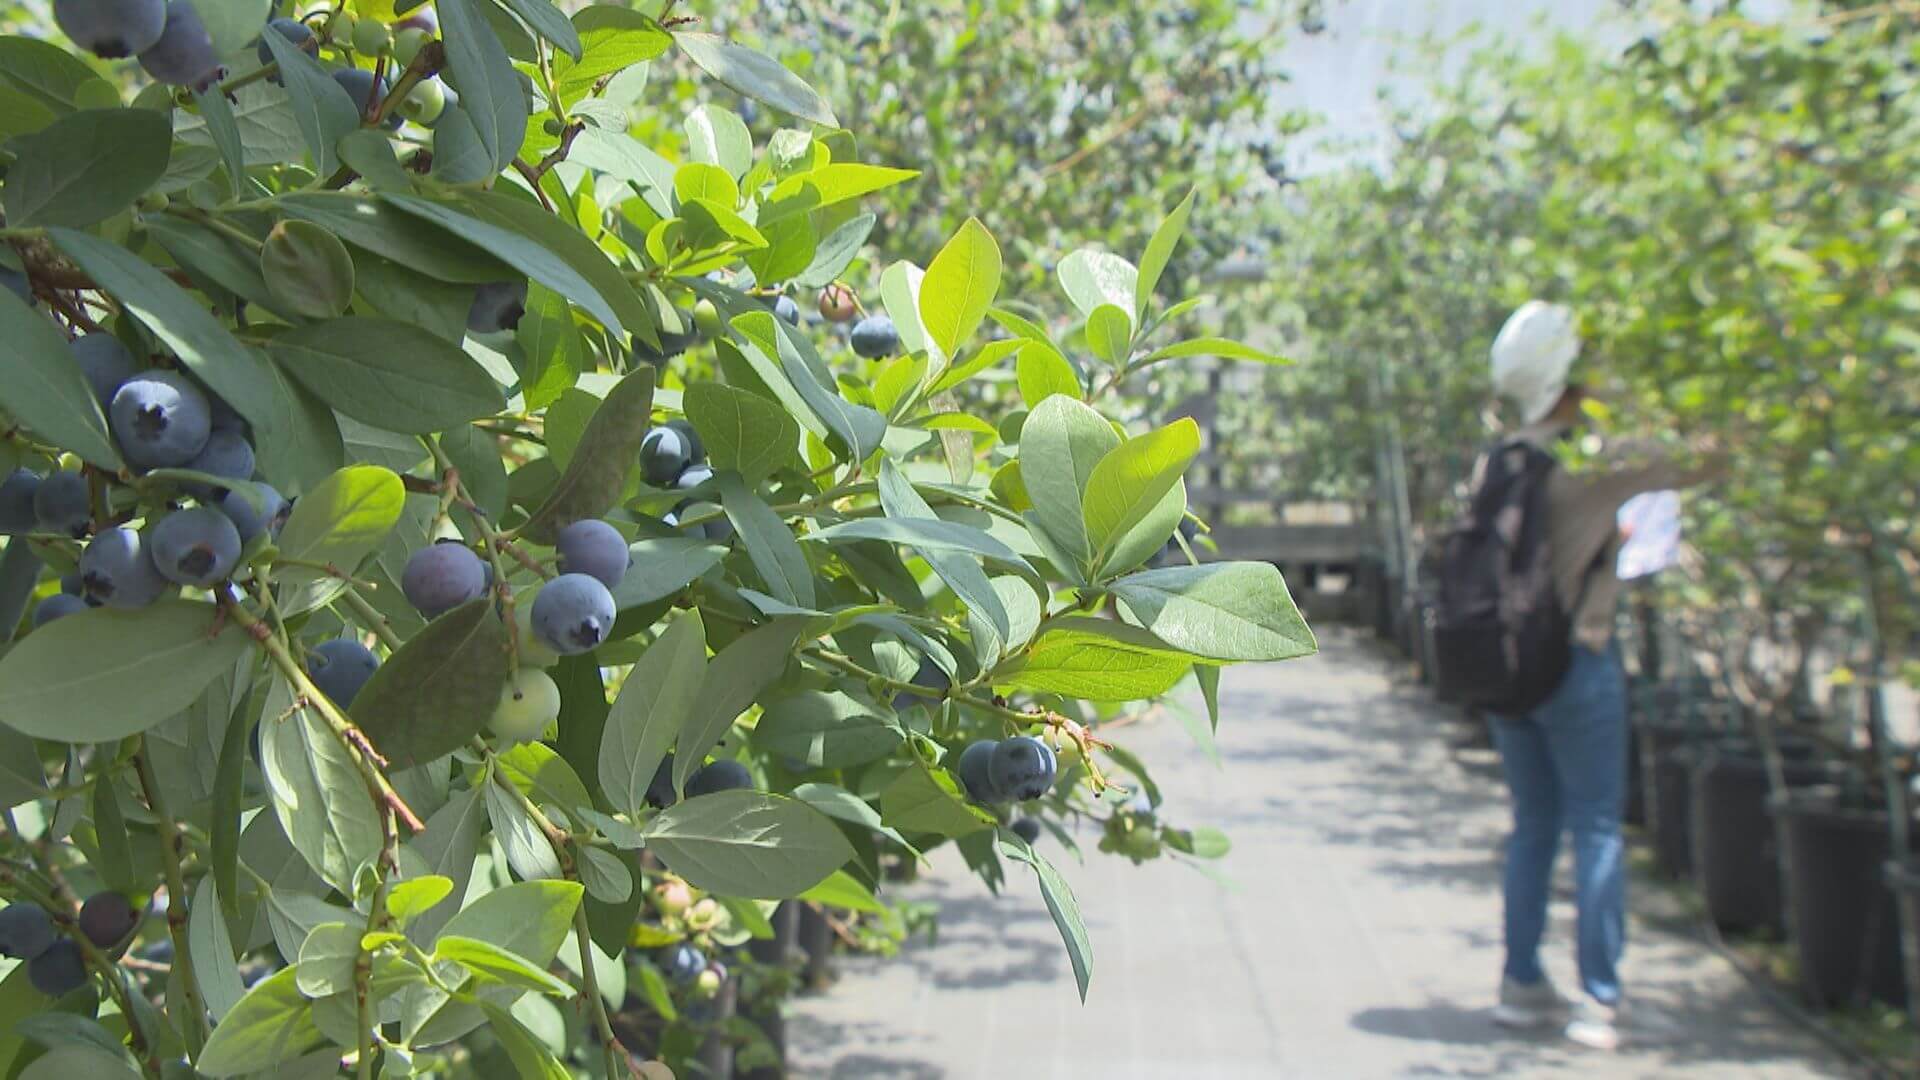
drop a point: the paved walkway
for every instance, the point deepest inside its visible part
(1360, 937)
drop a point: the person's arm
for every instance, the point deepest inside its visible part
(1635, 467)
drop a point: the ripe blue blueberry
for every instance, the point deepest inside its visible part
(723, 775)
(684, 963)
(116, 570)
(250, 521)
(441, 577)
(105, 362)
(671, 345)
(1022, 768)
(16, 502)
(497, 306)
(60, 970)
(56, 606)
(929, 676)
(61, 504)
(693, 477)
(665, 453)
(227, 455)
(573, 614)
(785, 308)
(660, 788)
(714, 526)
(26, 930)
(183, 56)
(594, 548)
(976, 774)
(291, 29)
(340, 667)
(199, 546)
(874, 337)
(70, 584)
(160, 419)
(112, 29)
(1027, 829)
(367, 94)
(107, 919)
(697, 450)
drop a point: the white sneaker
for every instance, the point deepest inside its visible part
(1529, 1005)
(1594, 1025)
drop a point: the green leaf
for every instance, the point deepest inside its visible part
(832, 255)
(44, 71)
(212, 951)
(338, 524)
(495, 964)
(756, 75)
(858, 428)
(959, 286)
(776, 555)
(923, 534)
(307, 269)
(44, 389)
(530, 918)
(539, 245)
(663, 566)
(479, 68)
(21, 775)
(1201, 843)
(789, 251)
(415, 896)
(323, 108)
(554, 356)
(272, 1024)
(1092, 278)
(840, 181)
(326, 959)
(133, 669)
(549, 23)
(318, 794)
(748, 844)
(654, 701)
(1110, 334)
(1224, 348)
(233, 23)
(256, 122)
(843, 805)
(388, 374)
(1223, 611)
(735, 676)
(476, 453)
(906, 508)
(425, 244)
(842, 890)
(1150, 535)
(608, 879)
(1209, 679)
(825, 730)
(1062, 906)
(530, 1057)
(1159, 249)
(70, 1060)
(626, 159)
(236, 373)
(611, 38)
(448, 849)
(742, 431)
(438, 690)
(1042, 372)
(529, 853)
(22, 114)
(921, 800)
(1129, 482)
(719, 137)
(1060, 443)
(85, 166)
(1098, 660)
(696, 180)
(595, 478)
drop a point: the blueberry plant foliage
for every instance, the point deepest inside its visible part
(452, 590)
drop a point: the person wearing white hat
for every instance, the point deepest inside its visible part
(1565, 761)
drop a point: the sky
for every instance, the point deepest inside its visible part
(1338, 74)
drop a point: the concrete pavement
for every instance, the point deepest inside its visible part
(1360, 936)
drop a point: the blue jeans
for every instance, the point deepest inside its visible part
(1566, 764)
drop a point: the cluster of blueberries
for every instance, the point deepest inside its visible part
(161, 419)
(174, 47)
(1008, 770)
(56, 965)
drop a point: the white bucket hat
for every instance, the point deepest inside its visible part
(1532, 355)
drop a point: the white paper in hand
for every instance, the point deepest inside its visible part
(1651, 523)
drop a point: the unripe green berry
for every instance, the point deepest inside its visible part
(371, 37)
(553, 127)
(425, 102)
(340, 29)
(528, 703)
(706, 319)
(408, 43)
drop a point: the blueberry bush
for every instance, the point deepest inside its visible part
(466, 562)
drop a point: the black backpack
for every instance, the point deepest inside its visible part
(1502, 640)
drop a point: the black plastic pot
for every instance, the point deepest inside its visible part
(716, 1052)
(1669, 800)
(1635, 811)
(816, 937)
(1904, 879)
(1734, 847)
(781, 949)
(1841, 915)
